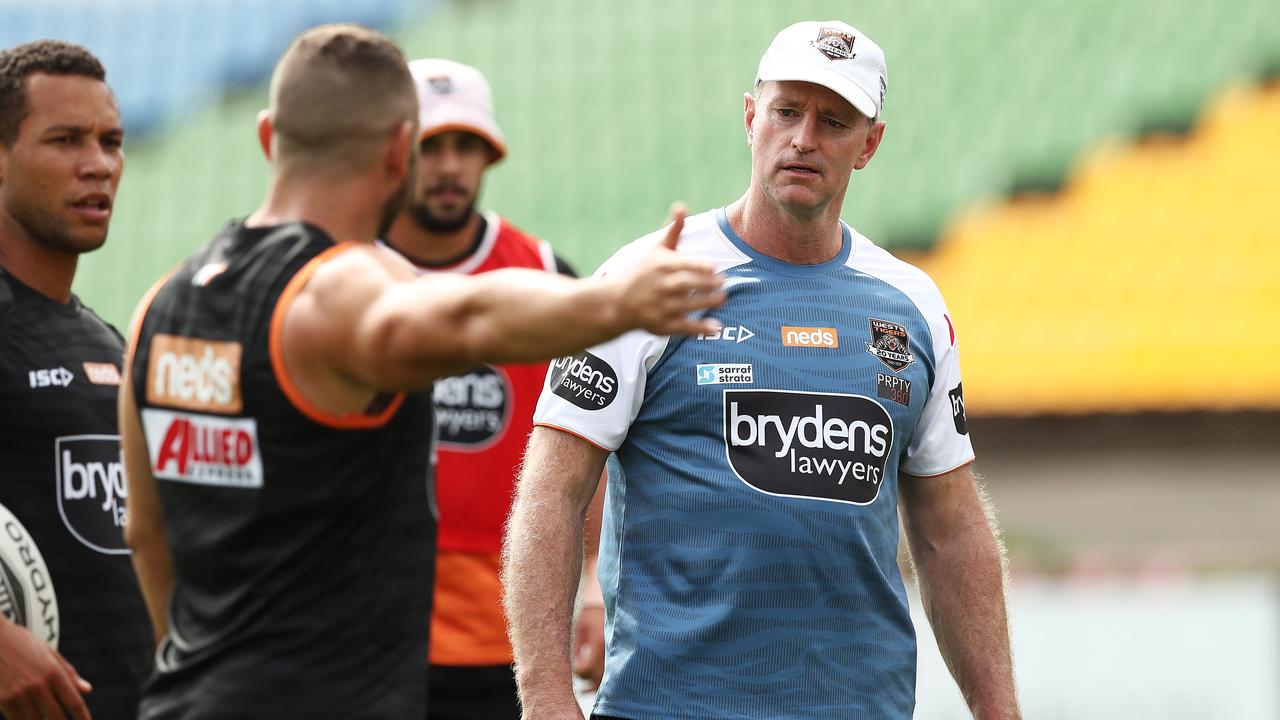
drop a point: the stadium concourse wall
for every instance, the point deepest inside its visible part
(615, 109)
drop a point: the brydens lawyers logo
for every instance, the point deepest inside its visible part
(473, 409)
(890, 344)
(818, 337)
(724, 374)
(27, 598)
(824, 446)
(203, 449)
(584, 380)
(194, 374)
(834, 44)
(91, 490)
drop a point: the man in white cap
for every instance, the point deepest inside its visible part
(750, 541)
(485, 414)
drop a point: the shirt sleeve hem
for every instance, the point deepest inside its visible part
(578, 435)
(968, 461)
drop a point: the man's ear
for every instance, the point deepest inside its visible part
(266, 131)
(749, 113)
(874, 136)
(399, 149)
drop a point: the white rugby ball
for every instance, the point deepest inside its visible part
(26, 587)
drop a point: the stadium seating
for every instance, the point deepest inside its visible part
(614, 110)
(166, 59)
(1151, 282)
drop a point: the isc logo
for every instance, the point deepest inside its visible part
(732, 333)
(53, 377)
(817, 337)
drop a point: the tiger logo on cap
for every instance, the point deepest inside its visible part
(834, 44)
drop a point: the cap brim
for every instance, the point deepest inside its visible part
(489, 134)
(830, 79)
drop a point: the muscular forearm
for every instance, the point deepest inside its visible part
(519, 315)
(542, 562)
(959, 565)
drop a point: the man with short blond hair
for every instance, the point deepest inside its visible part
(750, 541)
(276, 417)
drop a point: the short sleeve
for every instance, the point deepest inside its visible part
(941, 441)
(596, 394)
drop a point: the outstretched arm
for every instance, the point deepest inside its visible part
(542, 563)
(359, 318)
(959, 565)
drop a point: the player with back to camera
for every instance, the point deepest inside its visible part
(74, 636)
(749, 561)
(276, 409)
(484, 415)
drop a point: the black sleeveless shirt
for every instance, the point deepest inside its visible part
(303, 544)
(64, 568)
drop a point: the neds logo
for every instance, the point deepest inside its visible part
(584, 380)
(472, 409)
(194, 374)
(824, 446)
(810, 337)
(91, 491)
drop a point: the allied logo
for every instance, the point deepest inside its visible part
(203, 449)
(834, 44)
(723, 374)
(957, 408)
(584, 380)
(824, 446)
(890, 344)
(194, 374)
(52, 377)
(892, 387)
(440, 84)
(27, 597)
(91, 490)
(102, 373)
(816, 337)
(732, 333)
(473, 409)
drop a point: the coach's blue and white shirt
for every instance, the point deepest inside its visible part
(749, 552)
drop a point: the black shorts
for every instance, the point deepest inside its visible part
(472, 692)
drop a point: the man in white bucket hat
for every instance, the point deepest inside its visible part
(485, 413)
(750, 542)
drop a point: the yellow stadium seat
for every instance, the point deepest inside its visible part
(1150, 282)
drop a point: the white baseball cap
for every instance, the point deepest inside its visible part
(834, 55)
(453, 96)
